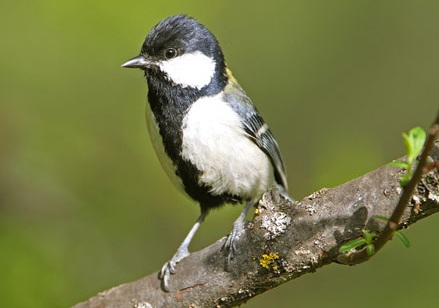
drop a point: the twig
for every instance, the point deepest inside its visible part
(408, 189)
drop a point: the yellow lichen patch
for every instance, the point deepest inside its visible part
(269, 260)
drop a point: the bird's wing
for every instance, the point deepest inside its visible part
(258, 131)
(256, 128)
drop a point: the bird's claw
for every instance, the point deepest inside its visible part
(168, 268)
(230, 244)
(284, 193)
(230, 247)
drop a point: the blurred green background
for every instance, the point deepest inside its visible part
(84, 204)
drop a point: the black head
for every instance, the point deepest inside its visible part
(182, 52)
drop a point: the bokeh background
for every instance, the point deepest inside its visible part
(84, 203)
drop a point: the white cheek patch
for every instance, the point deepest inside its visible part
(193, 70)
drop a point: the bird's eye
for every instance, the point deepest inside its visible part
(170, 53)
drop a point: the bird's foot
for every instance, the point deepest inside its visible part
(230, 244)
(169, 267)
(284, 193)
(287, 197)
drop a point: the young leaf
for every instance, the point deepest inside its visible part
(368, 236)
(418, 136)
(405, 179)
(370, 249)
(401, 164)
(404, 240)
(401, 236)
(355, 243)
(408, 143)
(381, 217)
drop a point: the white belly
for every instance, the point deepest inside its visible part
(215, 142)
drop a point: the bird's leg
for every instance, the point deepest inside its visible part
(182, 252)
(238, 228)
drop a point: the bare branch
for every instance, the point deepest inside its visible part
(286, 240)
(282, 242)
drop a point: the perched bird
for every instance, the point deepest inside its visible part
(208, 135)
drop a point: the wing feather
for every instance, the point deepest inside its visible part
(256, 128)
(258, 131)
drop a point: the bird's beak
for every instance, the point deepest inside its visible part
(137, 62)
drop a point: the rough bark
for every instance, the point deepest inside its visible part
(283, 241)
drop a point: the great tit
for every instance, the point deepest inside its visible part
(208, 135)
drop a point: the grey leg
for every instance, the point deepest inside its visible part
(182, 252)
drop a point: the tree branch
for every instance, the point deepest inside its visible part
(283, 241)
(394, 221)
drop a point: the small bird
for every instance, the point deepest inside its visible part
(208, 135)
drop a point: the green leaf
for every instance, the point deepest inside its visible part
(408, 143)
(368, 236)
(417, 135)
(370, 249)
(381, 217)
(414, 142)
(404, 179)
(355, 243)
(401, 164)
(404, 240)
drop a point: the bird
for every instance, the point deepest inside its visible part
(207, 133)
